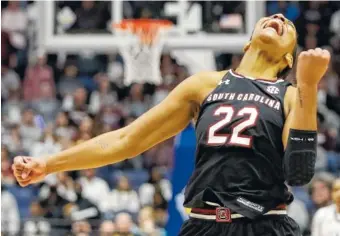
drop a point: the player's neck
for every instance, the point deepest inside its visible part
(337, 207)
(257, 65)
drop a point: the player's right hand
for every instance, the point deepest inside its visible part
(28, 170)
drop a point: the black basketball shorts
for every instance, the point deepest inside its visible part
(269, 225)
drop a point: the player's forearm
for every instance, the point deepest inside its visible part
(105, 149)
(300, 153)
(305, 109)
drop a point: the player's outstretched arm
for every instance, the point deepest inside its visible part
(158, 124)
(299, 135)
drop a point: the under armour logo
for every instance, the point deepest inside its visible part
(225, 82)
(273, 90)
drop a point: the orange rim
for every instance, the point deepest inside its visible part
(145, 29)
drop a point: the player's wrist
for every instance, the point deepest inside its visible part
(47, 165)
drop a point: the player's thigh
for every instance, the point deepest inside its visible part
(290, 227)
(267, 226)
(275, 226)
(196, 227)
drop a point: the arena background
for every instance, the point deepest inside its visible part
(64, 81)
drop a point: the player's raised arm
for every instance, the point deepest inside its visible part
(158, 124)
(299, 135)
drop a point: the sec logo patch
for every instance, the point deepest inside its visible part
(273, 90)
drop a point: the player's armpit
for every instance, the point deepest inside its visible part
(158, 124)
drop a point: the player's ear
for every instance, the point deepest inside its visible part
(289, 60)
(246, 47)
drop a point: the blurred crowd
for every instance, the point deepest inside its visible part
(48, 106)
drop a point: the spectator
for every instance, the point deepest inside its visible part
(110, 116)
(13, 141)
(83, 137)
(95, 189)
(334, 25)
(7, 176)
(47, 105)
(103, 97)
(123, 198)
(320, 190)
(86, 126)
(35, 76)
(161, 93)
(107, 228)
(10, 220)
(54, 208)
(326, 220)
(64, 186)
(124, 226)
(155, 183)
(82, 208)
(137, 103)
(62, 126)
(10, 80)
(146, 213)
(76, 105)
(160, 155)
(182, 73)
(29, 131)
(81, 228)
(47, 145)
(146, 223)
(160, 205)
(12, 108)
(14, 21)
(36, 225)
(69, 82)
(115, 69)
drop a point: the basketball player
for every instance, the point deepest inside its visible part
(326, 220)
(254, 133)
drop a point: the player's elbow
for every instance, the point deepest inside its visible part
(299, 167)
(133, 143)
(300, 156)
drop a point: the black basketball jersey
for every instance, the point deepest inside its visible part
(239, 147)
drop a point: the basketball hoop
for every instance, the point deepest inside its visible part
(142, 59)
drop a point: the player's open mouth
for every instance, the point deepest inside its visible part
(274, 24)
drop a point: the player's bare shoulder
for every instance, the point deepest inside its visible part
(205, 82)
(200, 85)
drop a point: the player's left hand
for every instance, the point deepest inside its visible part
(311, 66)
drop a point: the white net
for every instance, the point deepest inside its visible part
(142, 59)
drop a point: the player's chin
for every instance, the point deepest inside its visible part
(269, 37)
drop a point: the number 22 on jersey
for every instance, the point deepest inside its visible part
(249, 117)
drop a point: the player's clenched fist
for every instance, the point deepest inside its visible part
(29, 170)
(311, 66)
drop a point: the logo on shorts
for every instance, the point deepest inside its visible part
(250, 204)
(223, 214)
(273, 90)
